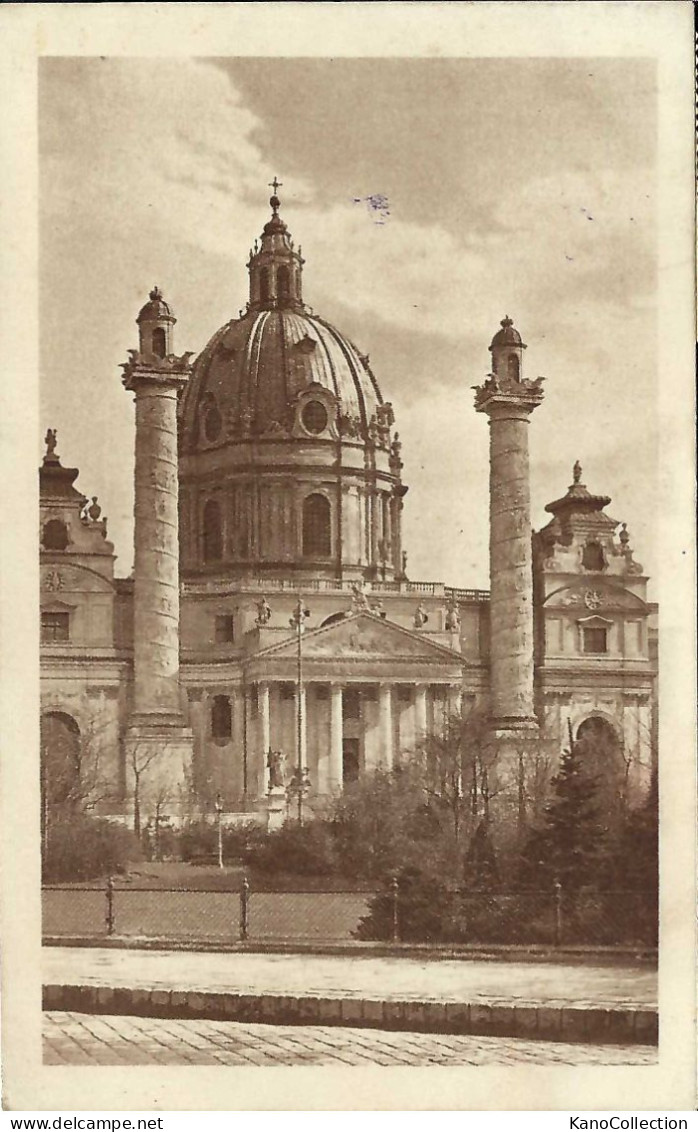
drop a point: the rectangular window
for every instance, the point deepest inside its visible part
(595, 641)
(55, 626)
(225, 629)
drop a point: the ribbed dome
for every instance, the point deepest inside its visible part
(255, 367)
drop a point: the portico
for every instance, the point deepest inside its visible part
(371, 692)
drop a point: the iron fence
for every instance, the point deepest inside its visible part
(553, 918)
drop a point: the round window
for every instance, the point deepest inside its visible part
(314, 416)
(213, 424)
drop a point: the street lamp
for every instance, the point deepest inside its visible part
(219, 811)
(297, 622)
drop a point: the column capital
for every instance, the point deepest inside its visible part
(503, 397)
(146, 371)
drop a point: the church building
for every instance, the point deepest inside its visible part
(270, 623)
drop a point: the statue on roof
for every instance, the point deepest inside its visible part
(50, 441)
(452, 617)
(577, 471)
(263, 612)
(420, 616)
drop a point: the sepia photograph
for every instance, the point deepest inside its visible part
(350, 491)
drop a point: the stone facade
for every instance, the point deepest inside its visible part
(269, 480)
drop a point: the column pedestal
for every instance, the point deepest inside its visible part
(275, 807)
(158, 767)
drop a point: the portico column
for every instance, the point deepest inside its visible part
(420, 713)
(385, 715)
(265, 732)
(455, 700)
(336, 736)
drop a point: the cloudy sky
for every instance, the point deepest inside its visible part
(522, 187)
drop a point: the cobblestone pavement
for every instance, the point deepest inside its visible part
(456, 980)
(93, 1039)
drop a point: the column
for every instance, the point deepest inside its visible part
(374, 527)
(265, 733)
(420, 713)
(156, 562)
(455, 700)
(336, 775)
(385, 725)
(158, 746)
(508, 404)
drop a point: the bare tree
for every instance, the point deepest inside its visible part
(74, 780)
(140, 758)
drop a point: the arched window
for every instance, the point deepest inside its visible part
(592, 556)
(283, 283)
(159, 341)
(221, 718)
(317, 541)
(60, 762)
(264, 285)
(54, 535)
(213, 532)
(514, 367)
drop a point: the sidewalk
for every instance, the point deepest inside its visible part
(557, 1001)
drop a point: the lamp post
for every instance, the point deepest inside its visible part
(219, 811)
(297, 622)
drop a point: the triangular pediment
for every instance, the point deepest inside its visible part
(367, 637)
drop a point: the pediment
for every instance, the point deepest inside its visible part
(72, 577)
(364, 636)
(594, 596)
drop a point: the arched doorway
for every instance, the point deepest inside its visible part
(602, 752)
(60, 763)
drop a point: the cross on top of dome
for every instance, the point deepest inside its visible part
(274, 200)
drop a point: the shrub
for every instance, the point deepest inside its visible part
(425, 910)
(307, 850)
(81, 848)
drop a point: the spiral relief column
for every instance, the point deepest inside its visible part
(509, 400)
(157, 739)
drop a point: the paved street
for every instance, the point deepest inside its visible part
(92, 1039)
(444, 980)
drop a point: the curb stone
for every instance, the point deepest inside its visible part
(624, 1025)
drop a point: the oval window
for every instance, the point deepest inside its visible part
(213, 424)
(314, 417)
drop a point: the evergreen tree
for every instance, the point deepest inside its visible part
(569, 846)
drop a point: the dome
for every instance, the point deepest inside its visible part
(287, 456)
(256, 367)
(156, 308)
(508, 335)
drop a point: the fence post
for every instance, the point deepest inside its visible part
(394, 894)
(244, 908)
(110, 906)
(557, 899)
